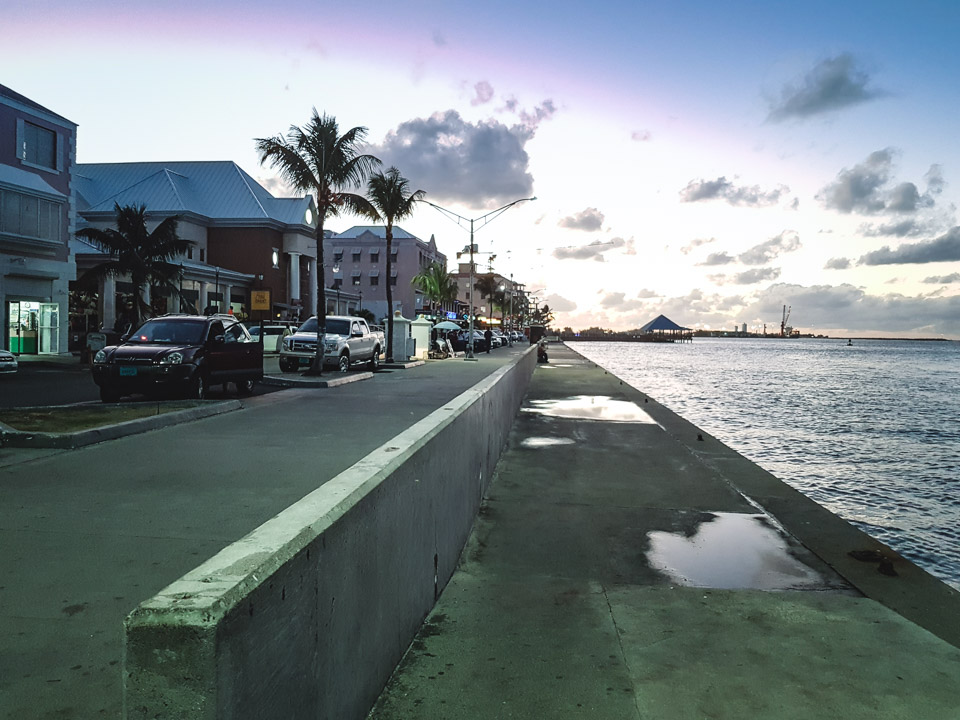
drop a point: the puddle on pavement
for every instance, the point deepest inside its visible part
(732, 551)
(542, 442)
(591, 407)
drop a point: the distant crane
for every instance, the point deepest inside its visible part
(783, 323)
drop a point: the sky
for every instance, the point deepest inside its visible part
(713, 162)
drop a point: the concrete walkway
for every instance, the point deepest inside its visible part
(88, 534)
(628, 565)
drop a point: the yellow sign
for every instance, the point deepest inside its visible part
(260, 300)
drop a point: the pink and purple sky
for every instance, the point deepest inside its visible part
(709, 161)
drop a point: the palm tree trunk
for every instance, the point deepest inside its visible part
(317, 367)
(389, 292)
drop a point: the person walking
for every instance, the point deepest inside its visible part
(488, 336)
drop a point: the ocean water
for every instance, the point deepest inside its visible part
(870, 431)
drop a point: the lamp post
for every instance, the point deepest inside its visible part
(485, 219)
(510, 333)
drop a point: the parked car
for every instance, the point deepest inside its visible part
(479, 342)
(348, 340)
(273, 336)
(8, 362)
(179, 355)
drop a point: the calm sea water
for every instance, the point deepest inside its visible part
(870, 431)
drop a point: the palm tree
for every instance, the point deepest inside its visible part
(487, 285)
(316, 159)
(390, 196)
(143, 256)
(436, 284)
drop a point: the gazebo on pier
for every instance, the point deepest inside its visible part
(663, 329)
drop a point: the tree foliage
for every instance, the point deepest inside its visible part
(145, 257)
(436, 283)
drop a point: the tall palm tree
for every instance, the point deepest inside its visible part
(316, 159)
(389, 194)
(436, 283)
(487, 285)
(143, 256)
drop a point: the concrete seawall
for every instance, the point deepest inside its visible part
(308, 615)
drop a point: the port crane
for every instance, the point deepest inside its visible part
(783, 322)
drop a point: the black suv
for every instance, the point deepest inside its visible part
(179, 355)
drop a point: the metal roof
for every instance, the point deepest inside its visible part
(379, 230)
(218, 190)
(21, 179)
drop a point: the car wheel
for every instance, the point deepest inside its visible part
(289, 364)
(375, 360)
(343, 364)
(198, 387)
(244, 387)
(109, 396)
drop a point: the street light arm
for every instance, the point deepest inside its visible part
(484, 219)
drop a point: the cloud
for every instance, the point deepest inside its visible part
(558, 303)
(695, 243)
(837, 264)
(723, 189)
(720, 258)
(590, 219)
(785, 242)
(482, 164)
(757, 275)
(900, 228)
(943, 279)
(484, 93)
(640, 136)
(864, 188)
(945, 248)
(832, 84)
(594, 250)
(617, 301)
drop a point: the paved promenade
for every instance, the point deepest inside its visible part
(628, 565)
(88, 534)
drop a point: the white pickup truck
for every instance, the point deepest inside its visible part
(347, 341)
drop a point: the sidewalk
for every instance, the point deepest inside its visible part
(89, 534)
(631, 570)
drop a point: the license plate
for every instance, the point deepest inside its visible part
(127, 371)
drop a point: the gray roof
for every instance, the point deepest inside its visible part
(661, 322)
(217, 190)
(379, 230)
(15, 177)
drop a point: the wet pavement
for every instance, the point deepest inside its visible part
(627, 565)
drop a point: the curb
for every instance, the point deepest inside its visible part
(303, 382)
(68, 441)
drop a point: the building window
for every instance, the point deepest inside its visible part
(39, 146)
(374, 280)
(374, 256)
(393, 255)
(29, 216)
(190, 253)
(393, 280)
(356, 256)
(356, 280)
(338, 257)
(337, 283)
(202, 255)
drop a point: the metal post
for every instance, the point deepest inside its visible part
(469, 355)
(510, 331)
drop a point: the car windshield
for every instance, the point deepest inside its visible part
(334, 327)
(180, 332)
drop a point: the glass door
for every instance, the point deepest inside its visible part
(49, 328)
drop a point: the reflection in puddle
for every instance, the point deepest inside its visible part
(591, 407)
(542, 442)
(730, 550)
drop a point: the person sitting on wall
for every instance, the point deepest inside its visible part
(542, 352)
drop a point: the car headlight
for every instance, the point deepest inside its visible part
(100, 357)
(174, 358)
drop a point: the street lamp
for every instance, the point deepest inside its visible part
(485, 219)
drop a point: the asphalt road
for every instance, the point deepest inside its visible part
(38, 383)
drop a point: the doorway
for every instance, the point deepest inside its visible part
(33, 328)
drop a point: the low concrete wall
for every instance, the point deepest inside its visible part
(308, 615)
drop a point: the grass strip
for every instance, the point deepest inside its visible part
(74, 418)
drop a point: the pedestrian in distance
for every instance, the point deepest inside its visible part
(488, 336)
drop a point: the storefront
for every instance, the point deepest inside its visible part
(33, 327)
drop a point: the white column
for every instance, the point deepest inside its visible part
(227, 292)
(311, 307)
(108, 302)
(174, 301)
(204, 295)
(293, 279)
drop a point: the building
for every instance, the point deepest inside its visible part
(357, 258)
(38, 150)
(245, 239)
(484, 305)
